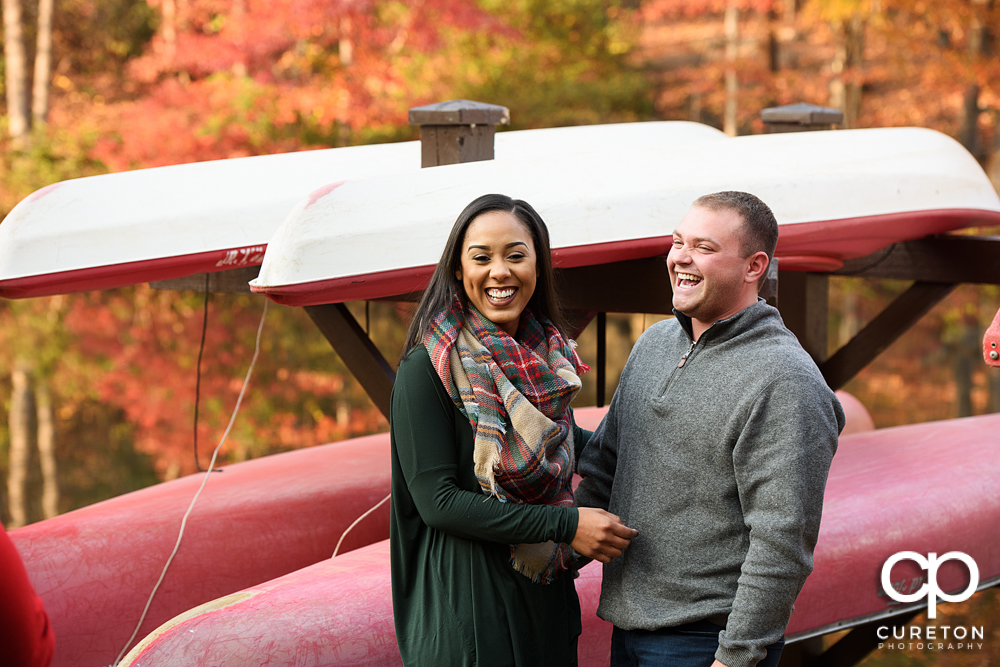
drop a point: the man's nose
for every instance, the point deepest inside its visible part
(679, 255)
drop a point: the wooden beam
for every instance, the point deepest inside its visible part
(935, 259)
(634, 286)
(602, 357)
(803, 305)
(233, 281)
(881, 332)
(357, 351)
(769, 288)
(851, 649)
(577, 321)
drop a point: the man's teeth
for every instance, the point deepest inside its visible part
(500, 294)
(687, 277)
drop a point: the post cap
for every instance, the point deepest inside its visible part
(460, 112)
(802, 114)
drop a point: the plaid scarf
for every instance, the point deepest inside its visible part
(516, 395)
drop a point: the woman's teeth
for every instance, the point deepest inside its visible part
(500, 294)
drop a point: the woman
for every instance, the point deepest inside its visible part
(483, 451)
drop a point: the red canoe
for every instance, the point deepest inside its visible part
(95, 567)
(925, 488)
(338, 612)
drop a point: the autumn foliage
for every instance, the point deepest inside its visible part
(141, 84)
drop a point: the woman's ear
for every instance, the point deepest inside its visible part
(458, 275)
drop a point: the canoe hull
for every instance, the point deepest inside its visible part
(927, 487)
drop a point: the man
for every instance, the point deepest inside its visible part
(716, 447)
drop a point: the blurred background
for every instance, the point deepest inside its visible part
(100, 387)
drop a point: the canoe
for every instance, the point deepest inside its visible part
(95, 567)
(929, 487)
(379, 237)
(338, 612)
(885, 494)
(153, 224)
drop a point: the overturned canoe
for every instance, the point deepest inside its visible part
(885, 494)
(836, 196)
(95, 567)
(167, 222)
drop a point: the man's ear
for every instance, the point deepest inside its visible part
(757, 267)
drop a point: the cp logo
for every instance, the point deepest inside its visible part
(930, 589)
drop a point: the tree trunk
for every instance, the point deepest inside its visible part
(15, 71)
(345, 47)
(43, 63)
(239, 21)
(993, 160)
(773, 42)
(20, 439)
(47, 449)
(969, 132)
(854, 40)
(170, 29)
(993, 378)
(732, 86)
(845, 87)
(694, 107)
(968, 355)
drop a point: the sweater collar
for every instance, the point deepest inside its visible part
(728, 328)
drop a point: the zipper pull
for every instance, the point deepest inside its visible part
(685, 357)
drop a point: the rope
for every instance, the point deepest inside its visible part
(232, 420)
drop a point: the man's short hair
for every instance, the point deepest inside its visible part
(760, 229)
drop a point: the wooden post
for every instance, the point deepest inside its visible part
(803, 305)
(804, 296)
(450, 133)
(800, 117)
(457, 131)
(602, 356)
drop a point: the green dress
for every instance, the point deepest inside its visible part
(456, 598)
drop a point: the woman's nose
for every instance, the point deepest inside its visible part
(499, 270)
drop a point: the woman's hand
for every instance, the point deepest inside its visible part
(601, 535)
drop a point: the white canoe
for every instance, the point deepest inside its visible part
(153, 224)
(836, 195)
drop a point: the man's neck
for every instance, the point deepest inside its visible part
(698, 327)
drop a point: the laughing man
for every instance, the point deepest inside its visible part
(716, 447)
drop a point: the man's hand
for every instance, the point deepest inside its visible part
(601, 535)
(718, 664)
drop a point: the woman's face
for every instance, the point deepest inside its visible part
(498, 267)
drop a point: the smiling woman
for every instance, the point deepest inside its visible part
(483, 453)
(499, 268)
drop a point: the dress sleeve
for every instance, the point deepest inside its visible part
(781, 462)
(425, 440)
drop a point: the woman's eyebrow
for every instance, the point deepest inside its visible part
(486, 247)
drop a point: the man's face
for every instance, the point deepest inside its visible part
(707, 270)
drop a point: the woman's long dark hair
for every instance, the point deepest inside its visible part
(444, 285)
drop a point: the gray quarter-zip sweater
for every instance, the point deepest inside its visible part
(717, 452)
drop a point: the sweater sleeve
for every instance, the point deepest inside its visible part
(599, 460)
(781, 462)
(425, 441)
